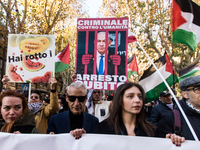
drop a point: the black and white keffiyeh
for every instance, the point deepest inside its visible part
(35, 107)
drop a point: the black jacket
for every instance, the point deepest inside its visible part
(166, 125)
(104, 128)
(158, 112)
(24, 124)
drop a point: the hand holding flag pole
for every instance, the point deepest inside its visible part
(179, 106)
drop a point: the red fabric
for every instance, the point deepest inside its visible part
(133, 65)
(64, 55)
(169, 67)
(177, 19)
(131, 39)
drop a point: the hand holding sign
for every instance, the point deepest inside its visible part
(116, 59)
(6, 80)
(86, 59)
(53, 83)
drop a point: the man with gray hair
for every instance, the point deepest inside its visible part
(190, 103)
(73, 121)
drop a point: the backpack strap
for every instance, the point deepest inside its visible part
(177, 122)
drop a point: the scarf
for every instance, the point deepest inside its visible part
(35, 107)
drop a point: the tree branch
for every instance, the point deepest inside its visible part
(45, 15)
(152, 43)
(55, 18)
(18, 18)
(4, 6)
(50, 11)
(25, 12)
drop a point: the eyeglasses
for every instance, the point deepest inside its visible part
(36, 97)
(195, 89)
(73, 98)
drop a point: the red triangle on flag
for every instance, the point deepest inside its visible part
(177, 18)
(64, 55)
(133, 65)
(169, 66)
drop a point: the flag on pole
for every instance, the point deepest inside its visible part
(153, 83)
(192, 70)
(62, 60)
(132, 66)
(186, 23)
(131, 37)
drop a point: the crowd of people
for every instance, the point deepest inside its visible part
(80, 112)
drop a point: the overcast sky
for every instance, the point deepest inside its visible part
(93, 6)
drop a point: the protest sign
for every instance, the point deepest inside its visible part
(89, 142)
(30, 58)
(101, 60)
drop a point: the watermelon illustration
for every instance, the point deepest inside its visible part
(42, 79)
(11, 72)
(32, 66)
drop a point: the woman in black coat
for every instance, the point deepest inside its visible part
(127, 116)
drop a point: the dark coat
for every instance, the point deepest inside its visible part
(104, 128)
(24, 124)
(158, 112)
(60, 123)
(166, 125)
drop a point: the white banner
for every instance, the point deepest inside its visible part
(88, 142)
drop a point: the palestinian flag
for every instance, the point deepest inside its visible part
(192, 70)
(132, 66)
(186, 23)
(151, 80)
(62, 60)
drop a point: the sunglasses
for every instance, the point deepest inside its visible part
(73, 98)
(94, 92)
(36, 97)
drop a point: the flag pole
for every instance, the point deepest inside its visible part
(172, 93)
(29, 92)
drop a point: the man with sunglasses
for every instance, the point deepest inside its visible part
(74, 121)
(190, 103)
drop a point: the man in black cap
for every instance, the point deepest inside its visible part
(190, 104)
(164, 107)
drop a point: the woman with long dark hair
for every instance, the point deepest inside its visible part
(127, 116)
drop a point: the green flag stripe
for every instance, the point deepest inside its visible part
(60, 66)
(155, 92)
(130, 73)
(185, 37)
(189, 74)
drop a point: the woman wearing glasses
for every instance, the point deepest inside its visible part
(44, 111)
(15, 116)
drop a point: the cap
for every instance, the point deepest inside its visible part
(164, 93)
(188, 82)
